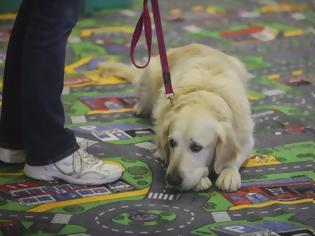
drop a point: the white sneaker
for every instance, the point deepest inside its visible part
(78, 168)
(11, 156)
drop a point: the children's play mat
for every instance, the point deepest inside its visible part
(276, 41)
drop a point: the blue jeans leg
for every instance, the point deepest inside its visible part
(11, 135)
(42, 74)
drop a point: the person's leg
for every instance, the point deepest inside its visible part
(10, 124)
(46, 139)
(52, 149)
(11, 138)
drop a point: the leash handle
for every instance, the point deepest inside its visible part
(145, 22)
(162, 48)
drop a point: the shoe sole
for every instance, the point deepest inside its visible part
(36, 172)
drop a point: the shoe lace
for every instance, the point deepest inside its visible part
(88, 160)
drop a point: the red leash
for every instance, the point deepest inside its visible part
(145, 23)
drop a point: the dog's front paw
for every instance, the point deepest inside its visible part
(203, 184)
(229, 180)
(139, 110)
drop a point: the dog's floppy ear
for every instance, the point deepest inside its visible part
(227, 147)
(161, 140)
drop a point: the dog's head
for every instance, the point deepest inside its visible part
(194, 139)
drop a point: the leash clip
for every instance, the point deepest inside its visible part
(170, 97)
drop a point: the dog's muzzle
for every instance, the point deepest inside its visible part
(174, 178)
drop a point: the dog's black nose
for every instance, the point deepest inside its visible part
(174, 178)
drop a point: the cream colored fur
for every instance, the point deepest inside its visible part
(210, 110)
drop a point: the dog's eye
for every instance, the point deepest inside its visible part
(194, 147)
(172, 143)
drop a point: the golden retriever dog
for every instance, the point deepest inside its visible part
(208, 125)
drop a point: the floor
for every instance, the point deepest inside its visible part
(274, 38)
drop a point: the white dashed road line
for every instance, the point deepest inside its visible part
(104, 226)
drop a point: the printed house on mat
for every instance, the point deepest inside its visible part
(34, 193)
(283, 190)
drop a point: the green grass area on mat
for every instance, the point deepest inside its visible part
(66, 230)
(216, 202)
(256, 94)
(133, 140)
(288, 110)
(310, 174)
(87, 48)
(254, 62)
(7, 205)
(137, 173)
(290, 153)
(263, 80)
